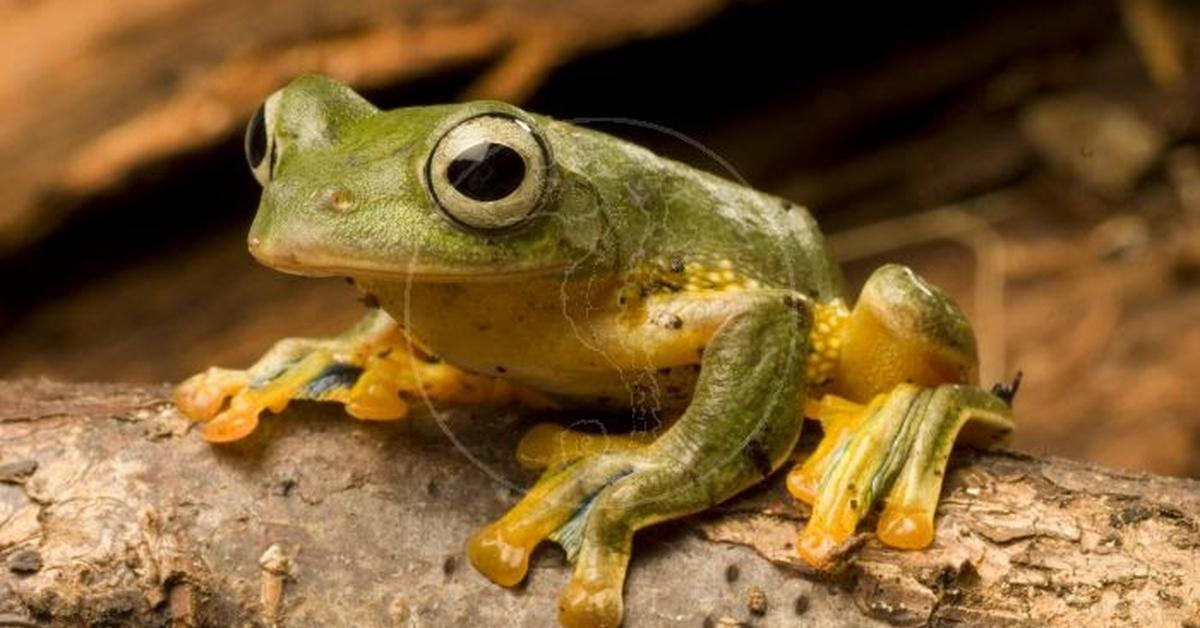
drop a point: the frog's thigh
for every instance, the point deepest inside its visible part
(903, 330)
(744, 418)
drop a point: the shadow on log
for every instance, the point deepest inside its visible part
(113, 512)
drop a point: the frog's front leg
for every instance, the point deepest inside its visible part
(372, 369)
(744, 418)
(906, 384)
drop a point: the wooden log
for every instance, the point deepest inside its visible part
(113, 512)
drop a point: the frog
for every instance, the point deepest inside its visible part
(512, 258)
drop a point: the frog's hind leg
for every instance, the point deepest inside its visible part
(905, 380)
(744, 419)
(372, 369)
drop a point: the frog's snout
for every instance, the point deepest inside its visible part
(266, 252)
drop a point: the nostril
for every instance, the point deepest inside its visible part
(338, 200)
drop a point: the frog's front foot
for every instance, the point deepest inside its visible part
(371, 369)
(590, 507)
(894, 448)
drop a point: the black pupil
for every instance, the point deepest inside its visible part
(486, 171)
(256, 138)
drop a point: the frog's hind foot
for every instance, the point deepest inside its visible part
(371, 369)
(895, 448)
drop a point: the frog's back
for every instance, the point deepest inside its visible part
(672, 211)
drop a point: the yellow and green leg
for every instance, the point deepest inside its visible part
(372, 369)
(744, 418)
(905, 392)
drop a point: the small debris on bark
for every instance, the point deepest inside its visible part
(26, 561)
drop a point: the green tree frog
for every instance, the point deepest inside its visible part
(519, 259)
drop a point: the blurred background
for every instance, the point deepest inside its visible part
(1040, 161)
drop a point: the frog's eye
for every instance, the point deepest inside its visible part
(490, 172)
(260, 150)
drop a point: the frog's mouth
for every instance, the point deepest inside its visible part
(315, 263)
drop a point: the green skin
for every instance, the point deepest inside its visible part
(544, 302)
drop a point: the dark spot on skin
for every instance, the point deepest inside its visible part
(666, 370)
(785, 205)
(369, 300)
(854, 504)
(850, 487)
(757, 455)
(621, 300)
(501, 370)
(449, 565)
(349, 280)
(432, 489)
(731, 573)
(1008, 392)
(797, 302)
(708, 622)
(700, 351)
(801, 604)
(676, 265)
(667, 320)
(481, 325)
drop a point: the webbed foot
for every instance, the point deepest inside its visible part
(591, 507)
(371, 369)
(894, 448)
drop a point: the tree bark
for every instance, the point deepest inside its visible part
(114, 512)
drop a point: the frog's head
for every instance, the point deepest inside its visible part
(467, 192)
